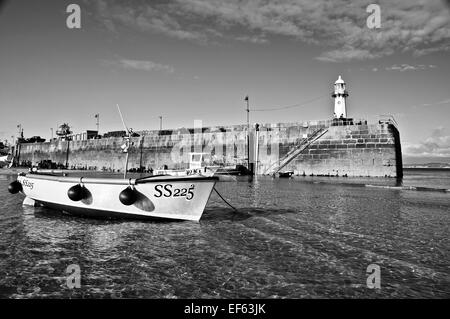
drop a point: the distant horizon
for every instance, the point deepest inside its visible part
(429, 163)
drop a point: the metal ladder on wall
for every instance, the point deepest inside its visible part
(278, 165)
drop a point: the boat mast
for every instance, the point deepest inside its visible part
(127, 143)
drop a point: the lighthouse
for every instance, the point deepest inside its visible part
(340, 94)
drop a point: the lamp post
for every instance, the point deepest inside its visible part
(157, 141)
(97, 116)
(18, 143)
(19, 126)
(248, 133)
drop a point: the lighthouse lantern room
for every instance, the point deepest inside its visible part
(340, 94)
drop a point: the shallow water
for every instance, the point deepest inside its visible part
(292, 238)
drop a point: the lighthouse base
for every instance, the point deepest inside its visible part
(345, 121)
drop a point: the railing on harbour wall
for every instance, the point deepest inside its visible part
(388, 118)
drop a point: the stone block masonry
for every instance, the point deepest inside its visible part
(351, 150)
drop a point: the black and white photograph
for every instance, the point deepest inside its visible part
(220, 155)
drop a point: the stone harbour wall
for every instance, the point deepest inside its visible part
(347, 150)
(354, 150)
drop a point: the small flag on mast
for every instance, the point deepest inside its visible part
(246, 98)
(96, 116)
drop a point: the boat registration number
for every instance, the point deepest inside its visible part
(168, 190)
(27, 183)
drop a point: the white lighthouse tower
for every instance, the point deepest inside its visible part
(340, 94)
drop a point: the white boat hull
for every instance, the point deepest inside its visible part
(182, 198)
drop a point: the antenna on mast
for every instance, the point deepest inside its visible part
(123, 121)
(127, 142)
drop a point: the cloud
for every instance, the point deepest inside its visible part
(346, 54)
(143, 65)
(253, 39)
(336, 27)
(408, 67)
(437, 145)
(446, 101)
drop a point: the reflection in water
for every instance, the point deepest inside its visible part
(291, 238)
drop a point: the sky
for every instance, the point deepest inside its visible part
(189, 60)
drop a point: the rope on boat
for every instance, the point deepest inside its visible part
(214, 188)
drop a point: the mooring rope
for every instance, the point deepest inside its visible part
(214, 188)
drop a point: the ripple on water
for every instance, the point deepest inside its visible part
(289, 239)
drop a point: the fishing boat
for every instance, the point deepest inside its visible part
(169, 197)
(286, 174)
(200, 164)
(156, 196)
(5, 160)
